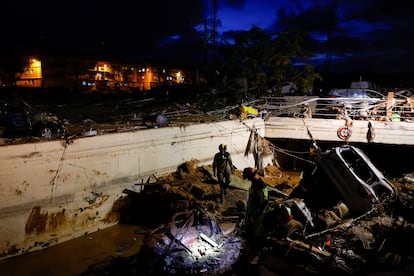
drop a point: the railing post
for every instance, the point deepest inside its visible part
(389, 105)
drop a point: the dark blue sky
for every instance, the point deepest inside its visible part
(373, 35)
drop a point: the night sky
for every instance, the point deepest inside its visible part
(373, 35)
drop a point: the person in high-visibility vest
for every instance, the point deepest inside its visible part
(257, 199)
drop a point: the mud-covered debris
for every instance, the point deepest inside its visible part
(191, 231)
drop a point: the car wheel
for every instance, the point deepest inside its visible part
(61, 132)
(45, 133)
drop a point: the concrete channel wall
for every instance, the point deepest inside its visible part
(334, 130)
(51, 192)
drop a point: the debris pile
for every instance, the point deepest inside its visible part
(192, 232)
(193, 242)
(190, 229)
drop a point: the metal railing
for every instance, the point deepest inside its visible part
(333, 108)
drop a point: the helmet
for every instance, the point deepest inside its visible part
(222, 147)
(248, 172)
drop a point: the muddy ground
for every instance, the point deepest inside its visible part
(127, 248)
(123, 249)
(377, 244)
(190, 190)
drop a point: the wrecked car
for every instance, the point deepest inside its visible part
(345, 174)
(18, 120)
(344, 212)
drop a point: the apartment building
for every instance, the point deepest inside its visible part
(92, 75)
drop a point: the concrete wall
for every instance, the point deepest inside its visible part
(54, 191)
(393, 133)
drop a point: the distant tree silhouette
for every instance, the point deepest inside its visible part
(265, 60)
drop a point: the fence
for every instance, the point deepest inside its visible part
(395, 109)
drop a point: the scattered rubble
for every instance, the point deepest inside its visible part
(190, 231)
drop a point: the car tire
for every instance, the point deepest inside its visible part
(45, 133)
(61, 132)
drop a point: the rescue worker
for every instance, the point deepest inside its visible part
(257, 200)
(222, 168)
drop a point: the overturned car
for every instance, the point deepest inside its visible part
(341, 218)
(344, 174)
